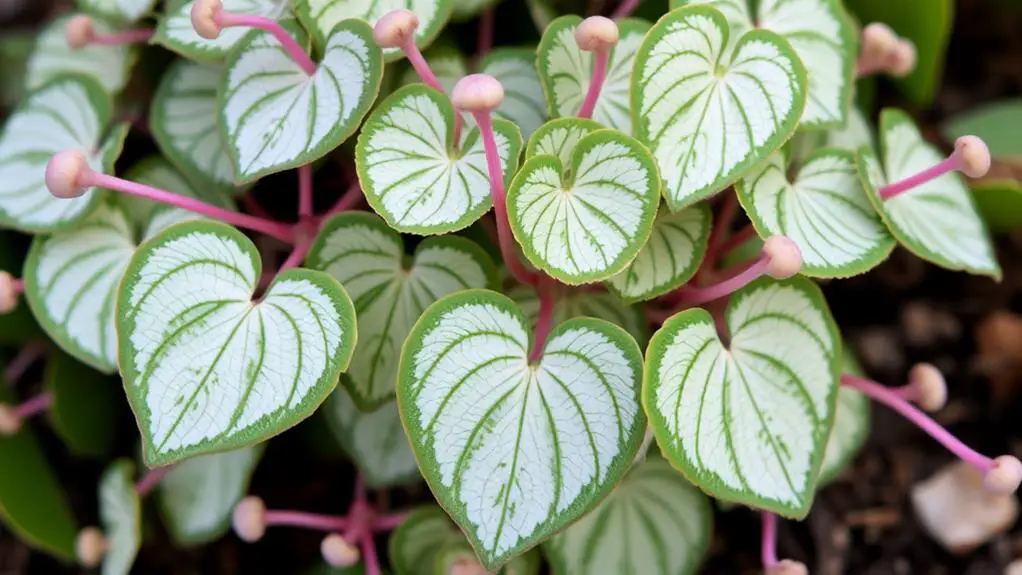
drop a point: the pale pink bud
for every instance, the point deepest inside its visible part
(596, 33)
(90, 547)
(10, 421)
(903, 59)
(466, 567)
(395, 28)
(784, 257)
(338, 552)
(8, 293)
(929, 386)
(477, 93)
(249, 519)
(788, 567)
(973, 156)
(79, 31)
(1004, 477)
(204, 18)
(878, 42)
(64, 173)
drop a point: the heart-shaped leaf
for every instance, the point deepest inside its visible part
(938, 220)
(69, 113)
(825, 211)
(412, 173)
(517, 450)
(823, 36)
(175, 31)
(514, 68)
(428, 542)
(708, 113)
(72, 277)
(123, 11)
(654, 523)
(375, 440)
(585, 221)
(851, 425)
(120, 512)
(583, 303)
(390, 291)
(566, 71)
(669, 259)
(197, 496)
(32, 503)
(184, 123)
(276, 117)
(205, 368)
(321, 16)
(559, 137)
(856, 134)
(108, 65)
(83, 409)
(748, 423)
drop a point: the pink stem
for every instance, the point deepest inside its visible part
(26, 356)
(733, 241)
(151, 479)
(426, 74)
(19, 285)
(769, 544)
(95, 179)
(486, 25)
(254, 207)
(723, 221)
(693, 296)
(32, 406)
(297, 255)
(893, 400)
(625, 9)
(948, 165)
(305, 192)
(547, 300)
(298, 54)
(389, 522)
(601, 58)
(369, 556)
(315, 521)
(506, 240)
(138, 36)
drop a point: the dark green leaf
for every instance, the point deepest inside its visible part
(83, 405)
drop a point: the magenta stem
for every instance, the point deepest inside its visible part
(768, 549)
(254, 207)
(34, 405)
(298, 54)
(389, 522)
(733, 241)
(505, 239)
(297, 255)
(26, 356)
(600, 60)
(893, 400)
(331, 523)
(625, 9)
(948, 165)
(151, 479)
(425, 73)
(693, 296)
(305, 192)
(95, 179)
(722, 222)
(547, 299)
(486, 25)
(138, 36)
(19, 285)
(372, 563)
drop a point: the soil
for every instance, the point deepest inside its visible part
(902, 313)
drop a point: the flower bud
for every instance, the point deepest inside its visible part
(1004, 477)
(477, 93)
(338, 552)
(64, 173)
(8, 293)
(204, 18)
(929, 386)
(596, 33)
(90, 547)
(249, 519)
(973, 156)
(903, 59)
(395, 28)
(788, 567)
(784, 257)
(466, 567)
(878, 42)
(10, 421)
(79, 31)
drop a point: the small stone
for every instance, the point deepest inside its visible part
(925, 325)
(880, 350)
(1014, 568)
(958, 512)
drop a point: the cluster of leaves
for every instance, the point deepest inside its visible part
(521, 435)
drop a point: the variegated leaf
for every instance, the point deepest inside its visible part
(69, 113)
(824, 210)
(120, 512)
(566, 71)
(823, 36)
(669, 259)
(585, 221)
(856, 134)
(185, 123)
(321, 16)
(375, 440)
(707, 113)
(391, 290)
(175, 31)
(654, 523)
(277, 117)
(851, 424)
(748, 422)
(205, 368)
(108, 65)
(938, 220)
(122, 11)
(411, 172)
(559, 136)
(197, 497)
(513, 449)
